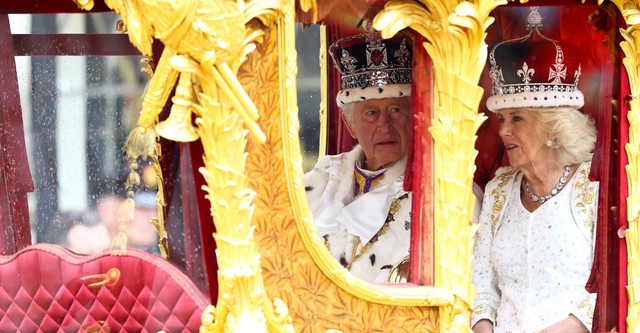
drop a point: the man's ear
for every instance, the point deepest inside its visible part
(348, 123)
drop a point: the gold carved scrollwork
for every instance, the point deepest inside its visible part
(205, 42)
(84, 4)
(631, 47)
(454, 33)
(296, 266)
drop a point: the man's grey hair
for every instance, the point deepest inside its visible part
(348, 111)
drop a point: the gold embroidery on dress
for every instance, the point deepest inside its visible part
(485, 309)
(499, 197)
(586, 197)
(587, 306)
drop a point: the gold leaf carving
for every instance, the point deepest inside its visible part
(631, 48)
(84, 4)
(274, 272)
(205, 42)
(315, 302)
(454, 33)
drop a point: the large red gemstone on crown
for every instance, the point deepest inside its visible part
(376, 57)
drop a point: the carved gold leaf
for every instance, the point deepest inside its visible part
(259, 189)
(454, 32)
(631, 48)
(84, 4)
(293, 256)
(205, 42)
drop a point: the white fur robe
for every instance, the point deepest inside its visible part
(349, 223)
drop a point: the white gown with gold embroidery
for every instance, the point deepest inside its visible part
(530, 268)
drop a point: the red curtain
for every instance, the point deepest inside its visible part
(15, 231)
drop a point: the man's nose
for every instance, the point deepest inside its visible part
(384, 120)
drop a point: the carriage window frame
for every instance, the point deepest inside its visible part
(67, 41)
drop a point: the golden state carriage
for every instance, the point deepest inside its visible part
(219, 123)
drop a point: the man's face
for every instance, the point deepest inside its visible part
(381, 126)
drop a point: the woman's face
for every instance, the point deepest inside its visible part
(522, 142)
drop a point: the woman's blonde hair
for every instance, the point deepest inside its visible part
(571, 132)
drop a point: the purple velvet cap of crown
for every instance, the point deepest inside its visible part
(371, 67)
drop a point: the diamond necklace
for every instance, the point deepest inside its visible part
(554, 190)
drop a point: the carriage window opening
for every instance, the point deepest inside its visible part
(77, 111)
(308, 84)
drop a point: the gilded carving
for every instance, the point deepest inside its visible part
(139, 145)
(454, 33)
(236, 75)
(298, 268)
(631, 48)
(205, 42)
(84, 4)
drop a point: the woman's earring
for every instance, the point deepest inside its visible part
(549, 143)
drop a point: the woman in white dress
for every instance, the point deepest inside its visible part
(535, 242)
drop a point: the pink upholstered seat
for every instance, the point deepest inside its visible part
(42, 290)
